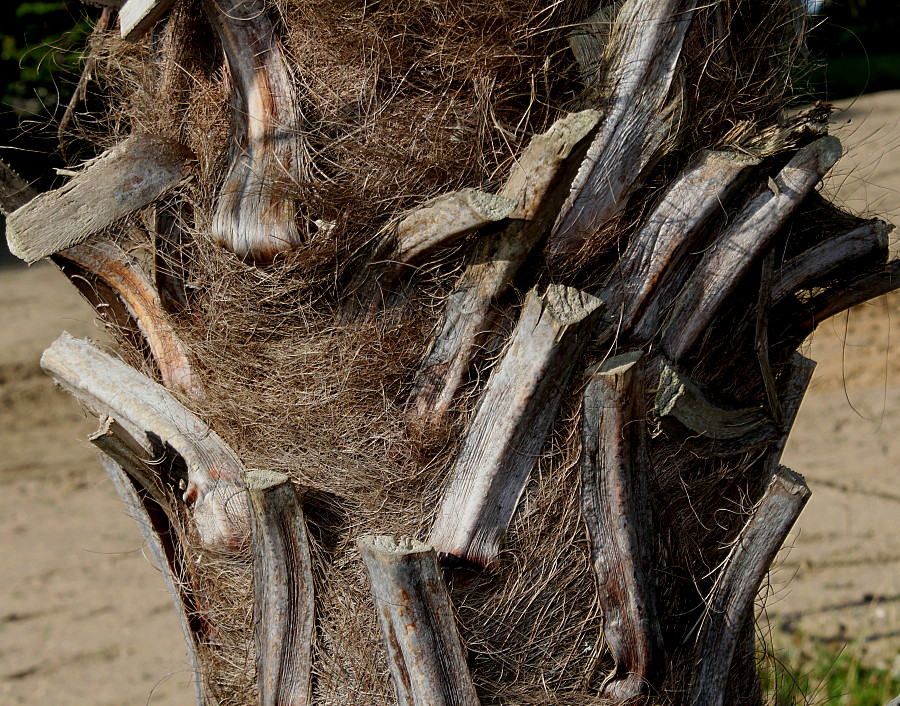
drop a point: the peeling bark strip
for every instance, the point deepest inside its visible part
(644, 56)
(254, 217)
(743, 242)
(105, 261)
(425, 655)
(616, 508)
(726, 430)
(870, 240)
(731, 600)
(165, 561)
(131, 175)
(507, 432)
(283, 600)
(138, 16)
(215, 491)
(496, 259)
(692, 200)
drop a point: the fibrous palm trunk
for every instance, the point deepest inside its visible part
(539, 416)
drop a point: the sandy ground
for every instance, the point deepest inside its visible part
(85, 619)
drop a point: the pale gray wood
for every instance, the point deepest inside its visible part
(616, 508)
(15, 192)
(869, 240)
(425, 655)
(741, 243)
(104, 261)
(136, 17)
(587, 42)
(643, 56)
(131, 175)
(655, 252)
(489, 274)
(149, 413)
(731, 599)
(441, 222)
(254, 217)
(164, 560)
(724, 430)
(283, 596)
(504, 439)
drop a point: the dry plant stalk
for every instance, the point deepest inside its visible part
(381, 248)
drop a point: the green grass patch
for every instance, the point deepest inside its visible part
(816, 675)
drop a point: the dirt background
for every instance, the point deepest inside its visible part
(85, 618)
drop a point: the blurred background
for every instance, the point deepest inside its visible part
(84, 619)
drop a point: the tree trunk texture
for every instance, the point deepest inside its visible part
(627, 303)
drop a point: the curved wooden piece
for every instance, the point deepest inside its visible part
(868, 241)
(105, 261)
(644, 56)
(254, 217)
(283, 600)
(425, 655)
(714, 430)
(130, 176)
(509, 427)
(731, 601)
(616, 508)
(655, 252)
(215, 491)
(742, 243)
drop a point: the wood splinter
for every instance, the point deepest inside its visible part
(425, 655)
(616, 508)
(509, 427)
(150, 414)
(730, 603)
(283, 600)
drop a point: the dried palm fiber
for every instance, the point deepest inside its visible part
(401, 102)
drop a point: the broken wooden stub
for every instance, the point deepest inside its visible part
(104, 262)
(616, 509)
(283, 600)
(712, 429)
(255, 217)
(130, 176)
(425, 655)
(138, 16)
(469, 310)
(793, 390)
(151, 415)
(731, 601)
(165, 560)
(644, 59)
(509, 427)
(658, 250)
(441, 222)
(742, 243)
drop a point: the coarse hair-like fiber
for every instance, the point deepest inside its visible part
(401, 102)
